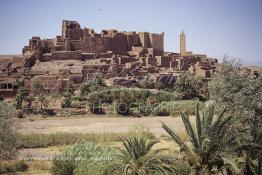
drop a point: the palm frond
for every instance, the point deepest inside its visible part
(231, 164)
(174, 136)
(190, 130)
(198, 124)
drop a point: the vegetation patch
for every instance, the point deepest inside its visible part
(60, 139)
(83, 158)
(174, 108)
(7, 167)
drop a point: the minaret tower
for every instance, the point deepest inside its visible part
(182, 43)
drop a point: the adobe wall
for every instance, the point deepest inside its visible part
(73, 38)
(119, 44)
(96, 45)
(157, 41)
(164, 61)
(66, 55)
(51, 83)
(72, 30)
(132, 40)
(144, 39)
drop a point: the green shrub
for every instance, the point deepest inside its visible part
(8, 132)
(63, 166)
(91, 85)
(141, 131)
(126, 100)
(146, 109)
(162, 96)
(12, 166)
(2, 98)
(176, 107)
(66, 102)
(83, 158)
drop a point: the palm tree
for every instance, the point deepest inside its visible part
(252, 150)
(138, 158)
(210, 143)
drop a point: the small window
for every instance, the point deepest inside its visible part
(10, 86)
(4, 86)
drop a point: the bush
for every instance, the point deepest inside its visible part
(125, 100)
(146, 109)
(164, 96)
(20, 114)
(237, 92)
(66, 103)
(83, 158)
(12, 166)
(63, 166)
(176, 107)
(2, 98)
(37, 87)
(189, 86)
(141, 131)
(183, 168)
(8, 134)
(91, 85)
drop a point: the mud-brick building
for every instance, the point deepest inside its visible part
(75, 41)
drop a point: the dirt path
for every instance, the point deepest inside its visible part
(99, 124)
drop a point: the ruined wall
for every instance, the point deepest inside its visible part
(51, 83)
(73, 38)
(72, 30)
(90, 70)
(119, 44)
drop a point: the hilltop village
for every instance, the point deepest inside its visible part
(122, 58)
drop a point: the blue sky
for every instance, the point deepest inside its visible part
(212, 27)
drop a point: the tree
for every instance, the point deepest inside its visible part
(2, 98)
(124, 101)
(43, 101)
(93, 84)
(213, 139)
(68, 95)
(8, 134)
(28, 100)
(37, 87)
(21, 94)
(146, 83)
(188, 86)
(237, 92)
(138, 158)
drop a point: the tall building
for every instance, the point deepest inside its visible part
(182, 43)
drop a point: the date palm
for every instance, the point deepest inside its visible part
(210, 143)
(252, 150)
(137, 158)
